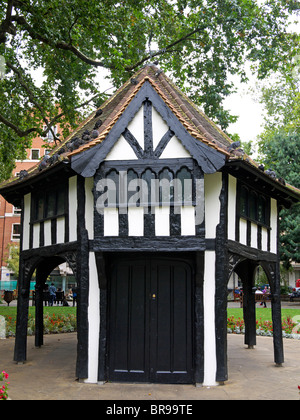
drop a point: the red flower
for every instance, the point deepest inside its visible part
(5, 374)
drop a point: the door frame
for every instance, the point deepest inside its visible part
(196, 261)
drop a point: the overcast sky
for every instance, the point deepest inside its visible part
(248, 109)
(245, 105)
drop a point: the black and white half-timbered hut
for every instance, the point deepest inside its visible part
(153, 207)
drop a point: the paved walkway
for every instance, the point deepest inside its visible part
(49, 374)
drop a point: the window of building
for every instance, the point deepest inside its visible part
(49, 135)
(253, 206)
(262, 207)
(149, 188)
(16, 232)
(49, 204)
(17, 210)
(35, 154)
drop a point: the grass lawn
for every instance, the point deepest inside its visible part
(261, 313)
(265, 314)
(60, 319)
(50, 310)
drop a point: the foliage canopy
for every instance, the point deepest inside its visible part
(199, 43)
(279, 149)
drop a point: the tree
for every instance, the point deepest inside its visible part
(13, 258)
(279, 149)
(197, 42)
(281, 152)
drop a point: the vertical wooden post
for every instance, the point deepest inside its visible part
(276, 318)
(249, 309)
(39, 321)
(82, 275)
(245, 270)
(199, 319)
(273, 273)
(276, 303)
(20, 351)
(221, 279)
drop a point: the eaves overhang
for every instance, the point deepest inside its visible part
(14, 192)
(286, 194)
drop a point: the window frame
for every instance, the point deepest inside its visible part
(15, 237)
(49, 135)
(156, 172)
(60, 194)
(245, 209)
(34, 150)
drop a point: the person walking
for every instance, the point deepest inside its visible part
(52, 292)
(74, 292)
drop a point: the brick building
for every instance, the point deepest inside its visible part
(10, 216)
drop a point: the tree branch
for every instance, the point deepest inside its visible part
(22, 133)
(162, 51)
(17, 130)
(59, 45)
(33, 100)
(6, 25)
(69, 47)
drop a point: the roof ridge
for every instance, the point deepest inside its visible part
(208, 139)
(112, 121)
(189, 127)
(198, 110)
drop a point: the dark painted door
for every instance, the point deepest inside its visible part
(150, 322)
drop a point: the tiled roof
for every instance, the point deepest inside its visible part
(195, 122)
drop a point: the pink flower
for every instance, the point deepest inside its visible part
(5, 374)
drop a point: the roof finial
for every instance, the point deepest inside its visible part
(150, 52)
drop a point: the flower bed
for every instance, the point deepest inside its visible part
(63, 320)
(4, 387)
(53, 324)
(290, 328)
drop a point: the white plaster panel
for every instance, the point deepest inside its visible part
(136, 127)
(47, 232)
(159, 127)
(111, 221)
(89, 206)
(73, 208)
(162, 221)
(174, 149)
(212, 191)
(93, 321)
(210, 360)
(273, 223)
(36, 235)
(26, 221)
(254, 235)
(135, 221)
(231, 207)
(121, 151)
(243, 231)
(264, 239)
(188, 220)
(60, 230)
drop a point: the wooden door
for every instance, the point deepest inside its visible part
(150, 321)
